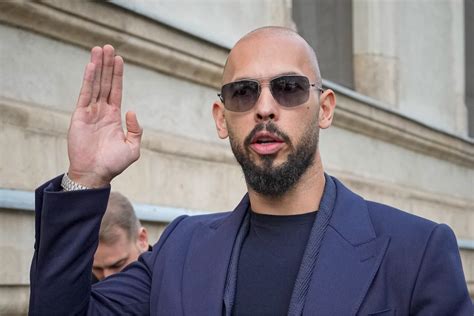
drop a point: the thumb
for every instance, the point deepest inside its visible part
(134, 131)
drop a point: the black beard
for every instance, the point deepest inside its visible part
(275, 181)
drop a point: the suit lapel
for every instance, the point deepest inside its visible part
(205, 270)
(349, 258)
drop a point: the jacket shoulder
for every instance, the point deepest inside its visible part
(409, 233)
(392, 221)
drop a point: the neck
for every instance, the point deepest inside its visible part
(304, 197)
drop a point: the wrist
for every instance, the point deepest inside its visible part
(87, 180)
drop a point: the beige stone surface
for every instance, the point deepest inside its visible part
(145, 44)
(188, 16)
(373, 160)
(16, 246)
(161, 102)
(414, 50)
(377, 76)
(468, 266)
(14, 300)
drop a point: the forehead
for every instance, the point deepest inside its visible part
(118, 238)
(107, 253)
(268, 55)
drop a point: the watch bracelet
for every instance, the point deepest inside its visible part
(68, 185)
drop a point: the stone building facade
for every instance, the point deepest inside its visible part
(400, 70)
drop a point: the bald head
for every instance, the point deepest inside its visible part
(270, 43)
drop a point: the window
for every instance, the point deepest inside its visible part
(327, 26)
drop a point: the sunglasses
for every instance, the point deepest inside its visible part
(288, 91)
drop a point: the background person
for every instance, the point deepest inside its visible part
(122, 238)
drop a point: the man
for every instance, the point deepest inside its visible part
(121, 238)
(299, 243)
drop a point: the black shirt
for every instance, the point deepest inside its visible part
(269, 262)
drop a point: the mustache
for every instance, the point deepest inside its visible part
(269, 127)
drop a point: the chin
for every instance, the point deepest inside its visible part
(271, 161)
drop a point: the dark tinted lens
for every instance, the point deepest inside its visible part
(240, 96)
(290, 90)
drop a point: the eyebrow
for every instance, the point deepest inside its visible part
(112, 264)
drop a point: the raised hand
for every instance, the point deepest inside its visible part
(98, 148)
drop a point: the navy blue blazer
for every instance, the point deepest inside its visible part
(374, 260)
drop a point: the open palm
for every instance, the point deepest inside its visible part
(98, 147)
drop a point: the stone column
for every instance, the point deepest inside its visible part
(410, 55)
(376, 63)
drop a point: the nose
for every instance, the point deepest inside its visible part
(108, 272)
(99, 275)
(266, 107)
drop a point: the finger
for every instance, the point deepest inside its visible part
(134, 131)
(115, 97)
(96, 59)
(107, 71)
(86, 89)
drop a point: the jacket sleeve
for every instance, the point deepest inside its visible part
(66, 237)
(440, 287)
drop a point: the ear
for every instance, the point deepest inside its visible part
(218, 112)
(142, 239)
(327, 104)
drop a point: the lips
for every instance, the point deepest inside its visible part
(266, 143)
